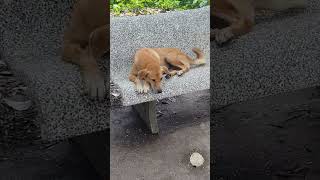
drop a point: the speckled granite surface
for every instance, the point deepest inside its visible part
(281, 54)
(183, 30)
(32, 32)
(31, 46)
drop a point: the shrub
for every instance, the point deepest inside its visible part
(122, 6)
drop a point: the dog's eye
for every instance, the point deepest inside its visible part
(153, 80)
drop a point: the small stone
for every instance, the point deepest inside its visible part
(164, 102)
(115, 94)
(159, 113)
(116, 122)
(18, 102)
(6, 73)
(203, 126)
(2, 64)
(20, 88)
(196, 159)
(172, 99)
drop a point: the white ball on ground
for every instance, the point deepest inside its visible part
(196, 159)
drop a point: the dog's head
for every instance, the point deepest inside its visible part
(153, 76)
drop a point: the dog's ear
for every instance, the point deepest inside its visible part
(142, 74)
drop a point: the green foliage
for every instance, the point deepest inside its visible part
(120, 6)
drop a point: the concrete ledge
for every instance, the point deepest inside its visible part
(32, 45)
(95, 147)
(280, 55)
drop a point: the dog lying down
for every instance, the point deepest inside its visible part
(150, 64)
(85, 40)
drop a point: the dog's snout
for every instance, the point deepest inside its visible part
(159, 90)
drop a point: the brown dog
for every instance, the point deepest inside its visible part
(151, 63)
(240, 15)
(86, 39)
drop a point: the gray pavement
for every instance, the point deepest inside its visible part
(184, 129)
(271, 138)
(280, 55)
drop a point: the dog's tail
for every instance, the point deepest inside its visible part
(280, 4)
(200, 57)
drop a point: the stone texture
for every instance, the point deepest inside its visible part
(31, 33)
(280, 55)
(31, 44)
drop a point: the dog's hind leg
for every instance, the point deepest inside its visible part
(240, 16)
(223, 13)
(166, 71)
(98, 41)
(236, 29)
(179, 62)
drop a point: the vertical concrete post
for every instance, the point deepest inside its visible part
(95, 146)
(147, 112)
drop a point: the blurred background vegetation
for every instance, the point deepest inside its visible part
(139, 7)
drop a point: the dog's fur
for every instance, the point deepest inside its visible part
(240, 15)
(151, 63)
(86, 39)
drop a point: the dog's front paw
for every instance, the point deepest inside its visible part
(222, 35)
(146, 88)
(139, 88)
(94, 84)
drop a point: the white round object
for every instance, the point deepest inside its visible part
(196, 159)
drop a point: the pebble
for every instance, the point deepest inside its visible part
(6, 73)
(196, 159)
(116, 122)
(172, 99)
(2, 64)
(115, 94)
(159, 113)
(203, 126)
(18, 102)
(164, 102)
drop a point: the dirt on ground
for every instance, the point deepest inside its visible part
(273, 138)
(23, 155)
